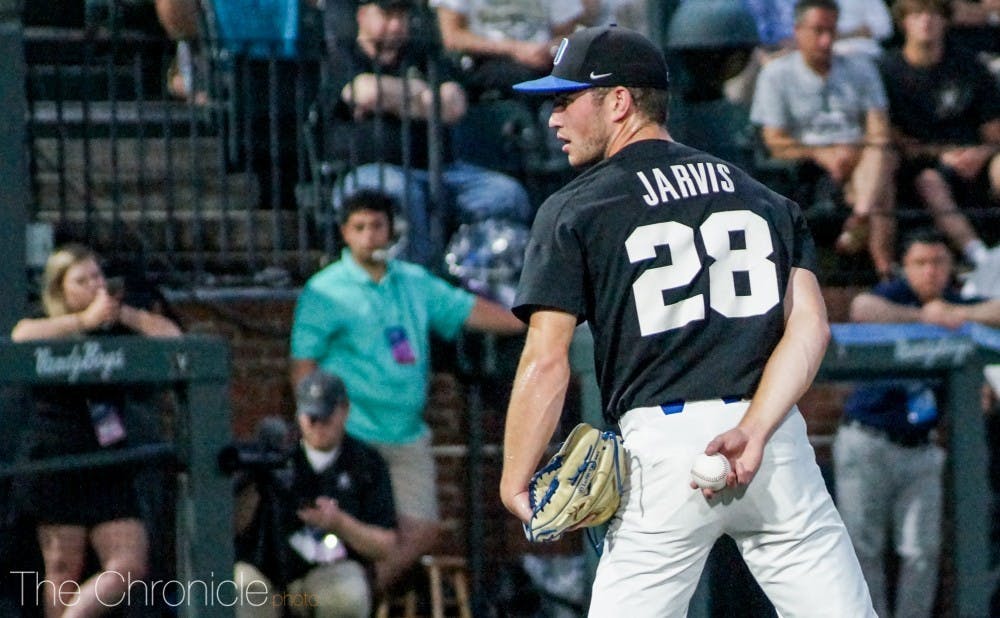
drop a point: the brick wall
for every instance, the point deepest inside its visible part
(257, 331)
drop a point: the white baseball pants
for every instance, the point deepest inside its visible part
(784, 522)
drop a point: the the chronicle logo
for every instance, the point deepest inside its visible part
(127, 592)
(85, 358)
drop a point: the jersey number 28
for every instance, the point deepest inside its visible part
(656, 316)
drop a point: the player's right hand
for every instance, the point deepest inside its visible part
(518, 504)
(744, 454)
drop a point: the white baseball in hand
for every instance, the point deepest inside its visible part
(710, 471)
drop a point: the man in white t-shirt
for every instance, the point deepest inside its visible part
(829, 110)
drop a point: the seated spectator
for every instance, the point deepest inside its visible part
(503, 42)
(945, 112)
(385, 103)
(830, 110)
(98, 508)
(863, 27)
(316, 527)
(888, 468)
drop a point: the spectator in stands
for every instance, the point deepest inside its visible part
(830, 110)
(371, 319)
(888, 467)
(99, 507)
(945, 112)
(317, 526)
(384, 105)
(863, 27)
(503, 42)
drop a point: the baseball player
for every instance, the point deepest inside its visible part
(708, 321)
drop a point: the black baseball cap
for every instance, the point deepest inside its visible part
(603, 56)
(318, 395)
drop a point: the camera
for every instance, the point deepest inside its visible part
(268, 451)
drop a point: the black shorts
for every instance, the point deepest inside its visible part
(83, 497)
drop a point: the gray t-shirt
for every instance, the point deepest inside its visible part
(814, 110)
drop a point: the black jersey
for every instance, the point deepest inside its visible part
(679, 261)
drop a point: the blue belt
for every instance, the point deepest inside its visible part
(674, 407)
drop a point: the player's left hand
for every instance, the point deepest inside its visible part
(744, 455)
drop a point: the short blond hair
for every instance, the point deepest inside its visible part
(59, 262)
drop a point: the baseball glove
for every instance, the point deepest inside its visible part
(583, 478)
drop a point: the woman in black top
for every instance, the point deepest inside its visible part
(98, 505)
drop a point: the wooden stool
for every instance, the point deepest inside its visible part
(453, 567)
(407, 603)
(439, 569)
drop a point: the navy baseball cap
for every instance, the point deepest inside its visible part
(603, 56)
(318, 395)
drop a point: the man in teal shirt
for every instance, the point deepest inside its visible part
(369, 319)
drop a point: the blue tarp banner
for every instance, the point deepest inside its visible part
(983, 336)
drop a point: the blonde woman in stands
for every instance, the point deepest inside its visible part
(76, 508)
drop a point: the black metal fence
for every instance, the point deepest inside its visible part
(227, 184)
(230, 184)
(202, 186)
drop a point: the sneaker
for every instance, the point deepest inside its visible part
(984, 280)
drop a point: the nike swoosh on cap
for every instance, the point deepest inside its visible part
(599, 75)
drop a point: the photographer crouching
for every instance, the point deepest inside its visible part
(310, 524)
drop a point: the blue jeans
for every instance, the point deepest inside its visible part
(472, 193)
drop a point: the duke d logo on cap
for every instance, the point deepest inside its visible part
(602, 56)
